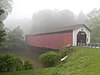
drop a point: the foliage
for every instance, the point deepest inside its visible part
(2, 31)
(95, 34)
(28, 65)
(25, 72)
(82, 61)
(5, 9)
(7, 62)
(19, 63)
(94, 22)
(63, 51)
(6, 5)
(15, 35)
(52, 18)
(1, 11)
(49, 59)
(2, 36)
(10, 62)
(95, 40)
(14, 38)
(94, 18)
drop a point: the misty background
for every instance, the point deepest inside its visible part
(36, 16)
(45, 19)
(26, 17)
(30, 14)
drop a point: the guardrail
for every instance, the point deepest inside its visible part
(94, 45)
(91, 45)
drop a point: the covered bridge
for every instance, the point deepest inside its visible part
(60, 36)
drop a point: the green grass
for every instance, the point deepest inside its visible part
(18, 73)
(82, 61)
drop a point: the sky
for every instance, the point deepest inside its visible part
(26, 8)
(23, 10)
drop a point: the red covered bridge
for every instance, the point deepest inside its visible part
(57, 37)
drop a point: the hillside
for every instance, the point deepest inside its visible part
(82, 61)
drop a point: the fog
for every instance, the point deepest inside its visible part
(23, 11)
(24, 23)
(44, 16)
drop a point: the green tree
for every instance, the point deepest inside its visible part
(94, 23)
(94, 18)
(2, 34)
(95, 34)
(14, 38)
(2, 31)
(5, 8)
(1, 11)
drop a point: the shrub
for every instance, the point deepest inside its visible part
(11, 62)
(7, 62)
(2, 64)
(28, 65)
(49, 59)
(63, 51)
(18, 64)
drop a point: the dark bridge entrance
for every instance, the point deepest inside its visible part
(81, 38)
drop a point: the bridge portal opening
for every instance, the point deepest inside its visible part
(81, 38)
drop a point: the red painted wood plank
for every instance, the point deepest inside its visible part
(53, 41)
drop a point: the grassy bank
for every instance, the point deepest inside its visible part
(82, 61)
